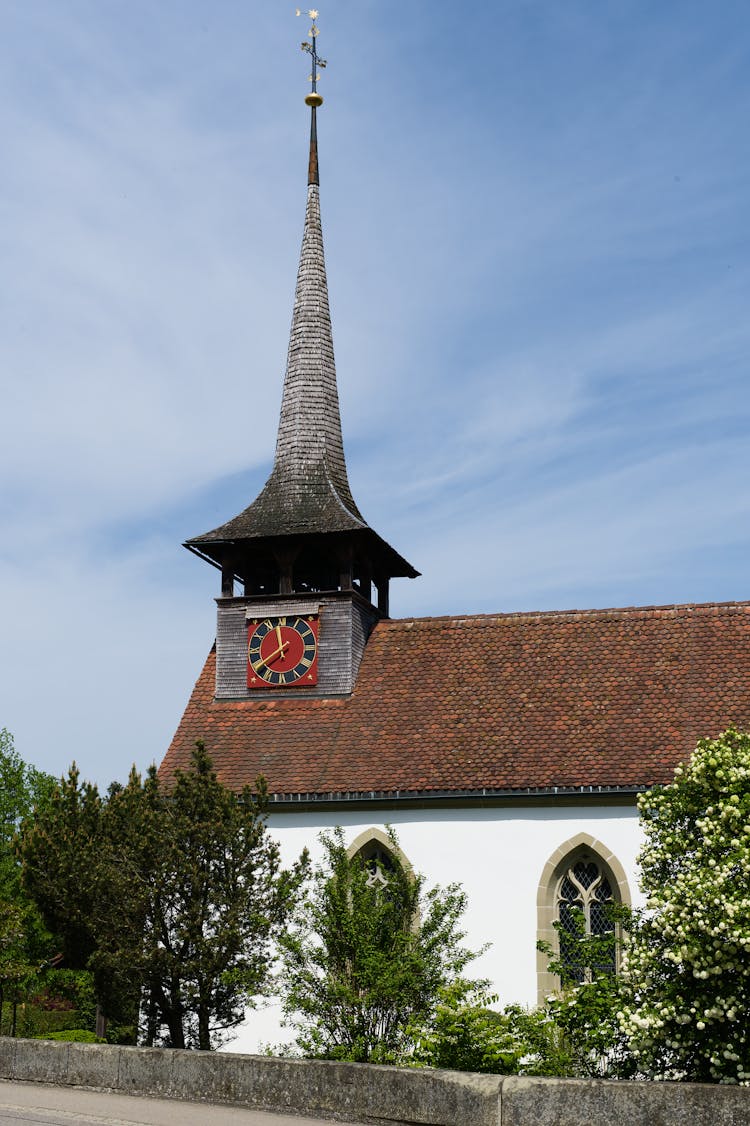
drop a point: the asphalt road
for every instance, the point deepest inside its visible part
(34, 1104)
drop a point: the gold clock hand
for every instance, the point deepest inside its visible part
(278, 636)
(272, 656)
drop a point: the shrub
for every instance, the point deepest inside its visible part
(75, 1035)
(687, 962)
(465, 1035)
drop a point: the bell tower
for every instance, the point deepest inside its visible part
(303, 576)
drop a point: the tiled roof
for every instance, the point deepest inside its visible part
(603, 698)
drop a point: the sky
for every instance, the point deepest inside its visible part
(538, 247)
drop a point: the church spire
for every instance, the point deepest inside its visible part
(306, 502)
(309, 461)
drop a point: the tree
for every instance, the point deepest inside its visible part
(174, 896)
(72, 870)
(23, 941)
(64, 858)
(688, 961)
(22, 787)
(15, 969)
(679, 1009)
(216, 903)
(369, 955)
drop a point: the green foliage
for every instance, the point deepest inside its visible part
(173, 897)
(75, 1035)
(543, 1048)
(463, 1034)
(687, 963)
(591, 1044)
(217, 900)
(14, 965)
(369, 956)
(64, 856)
(23, 940)
(679, 1008)
(22, 788)
(71, 990)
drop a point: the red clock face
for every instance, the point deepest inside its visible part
(282, 652)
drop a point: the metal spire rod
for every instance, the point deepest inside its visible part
(310, 47)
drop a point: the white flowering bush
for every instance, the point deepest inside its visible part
(687, 962)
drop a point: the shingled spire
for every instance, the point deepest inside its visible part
(304, 531)
(308, 490)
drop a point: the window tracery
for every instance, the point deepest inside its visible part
(380, 857)
(584, 893)
(581, 881)
(378, 860)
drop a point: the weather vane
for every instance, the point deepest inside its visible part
(311, 48)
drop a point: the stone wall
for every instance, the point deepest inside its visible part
(363, 1093)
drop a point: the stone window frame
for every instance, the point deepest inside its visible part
(373, 834)
(579, 847)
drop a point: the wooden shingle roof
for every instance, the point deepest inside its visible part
(307, 493)
(508, 703)
(308, 490)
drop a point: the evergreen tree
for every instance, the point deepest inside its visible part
(217, 900)
(24, 943)
(64, 859)
(171, 896)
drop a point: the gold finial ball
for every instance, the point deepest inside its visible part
(314, 99)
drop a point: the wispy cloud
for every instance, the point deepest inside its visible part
(538, 258)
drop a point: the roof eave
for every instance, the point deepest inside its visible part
(477, 797)
(397, 566)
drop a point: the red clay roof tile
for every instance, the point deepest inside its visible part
(600, 698)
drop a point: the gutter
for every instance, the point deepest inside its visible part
(486, 796)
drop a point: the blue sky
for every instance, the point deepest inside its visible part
(537, 235)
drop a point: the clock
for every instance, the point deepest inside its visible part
(282, 652)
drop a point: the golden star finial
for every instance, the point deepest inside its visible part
(310, 47)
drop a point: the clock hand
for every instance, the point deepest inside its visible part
(278, 636)
(272, 656)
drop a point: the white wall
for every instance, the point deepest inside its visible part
(496, 854)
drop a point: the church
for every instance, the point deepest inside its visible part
(506, 750)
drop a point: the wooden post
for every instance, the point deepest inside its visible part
(285, 558)
(345, 568)
(286, 577)
(365, 582)
(227, 581)
(382, 585)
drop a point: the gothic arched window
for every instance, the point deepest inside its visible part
(379, 854)
(584, 897)
(580, 883)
